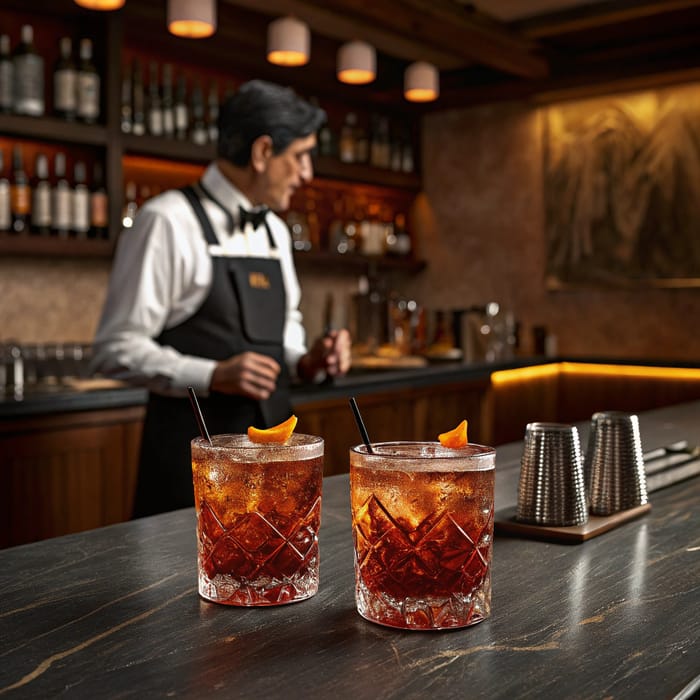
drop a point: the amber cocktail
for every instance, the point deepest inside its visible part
(422, 518)
(258, 516)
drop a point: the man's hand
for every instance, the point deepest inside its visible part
(331, 353)
(250, 374)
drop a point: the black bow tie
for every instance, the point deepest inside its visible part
(257, 218)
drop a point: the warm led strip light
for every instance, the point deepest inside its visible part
(630, 370)
(506, 376)
(590, 369)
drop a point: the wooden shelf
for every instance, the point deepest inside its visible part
(170, 149)
(324, 166)
(354, 262)
(41, 246)
(328, 167)
(52, 129)
(29, 244)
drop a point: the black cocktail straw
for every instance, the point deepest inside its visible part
(360, 424)
(198, 414)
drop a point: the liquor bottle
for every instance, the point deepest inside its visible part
(20, 195)
(380, 149)
(41, 197)
(126, 113)
(65, 82)
(28, 80)
(351, 227)
(337, 242)
(312, 219)
(213, 112)
(299, 230)
(60, 199)
(199, 133)
(407, 162)
(168, 103)
(88, 85)
(6, 73)
(403, 238)
(182, 115)
(385, 143)
(229, 90)
(154, 112)
(325, 136)
(99, 209)
(144, 195)
(130, 205)
(80, 203)
(346, 146)
(361, 144)
(138, 103)
(375, 141)
(326, 141)
(396, 149)
(5, 209)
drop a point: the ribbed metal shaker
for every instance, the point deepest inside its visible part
(551, 490)
(614, 463)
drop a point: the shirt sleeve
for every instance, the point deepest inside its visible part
(150, 271)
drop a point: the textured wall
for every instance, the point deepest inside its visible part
(49, 300)
(482, 171)
(483, 235)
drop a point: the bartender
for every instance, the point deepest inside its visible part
(204, 293)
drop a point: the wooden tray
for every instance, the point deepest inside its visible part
(506, 524)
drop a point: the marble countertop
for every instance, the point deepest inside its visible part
(115, 612)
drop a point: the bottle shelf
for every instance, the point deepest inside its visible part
(328, 167)
(353, 261)
(170, 149)
(364, 192)
(53, 129)
(29, 244)
(324, 166)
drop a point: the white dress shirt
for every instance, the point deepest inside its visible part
(161, 275)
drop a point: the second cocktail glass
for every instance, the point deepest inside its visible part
(422, 518)
(258, 516)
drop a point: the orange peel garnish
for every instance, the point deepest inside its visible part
(277, 434)
(457, 437)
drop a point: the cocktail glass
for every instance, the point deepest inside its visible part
(422, 518)
(258, 516)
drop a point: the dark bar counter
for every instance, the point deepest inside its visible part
(114, 612)
(38, 401)
(41, 401)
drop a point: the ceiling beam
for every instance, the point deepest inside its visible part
(344, 28)
(439, 32)
(488, 41)
(450, 26)
(600, 15)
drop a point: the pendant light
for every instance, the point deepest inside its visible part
(193, 19)
(357, 63)
(288, 42)
(421, 82)
(101, 4)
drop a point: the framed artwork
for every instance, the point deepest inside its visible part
(622, 190)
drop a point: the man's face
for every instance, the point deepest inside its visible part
(287, 171)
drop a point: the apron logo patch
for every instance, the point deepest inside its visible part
(258, 280)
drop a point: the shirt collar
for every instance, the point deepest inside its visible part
(224, 191)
